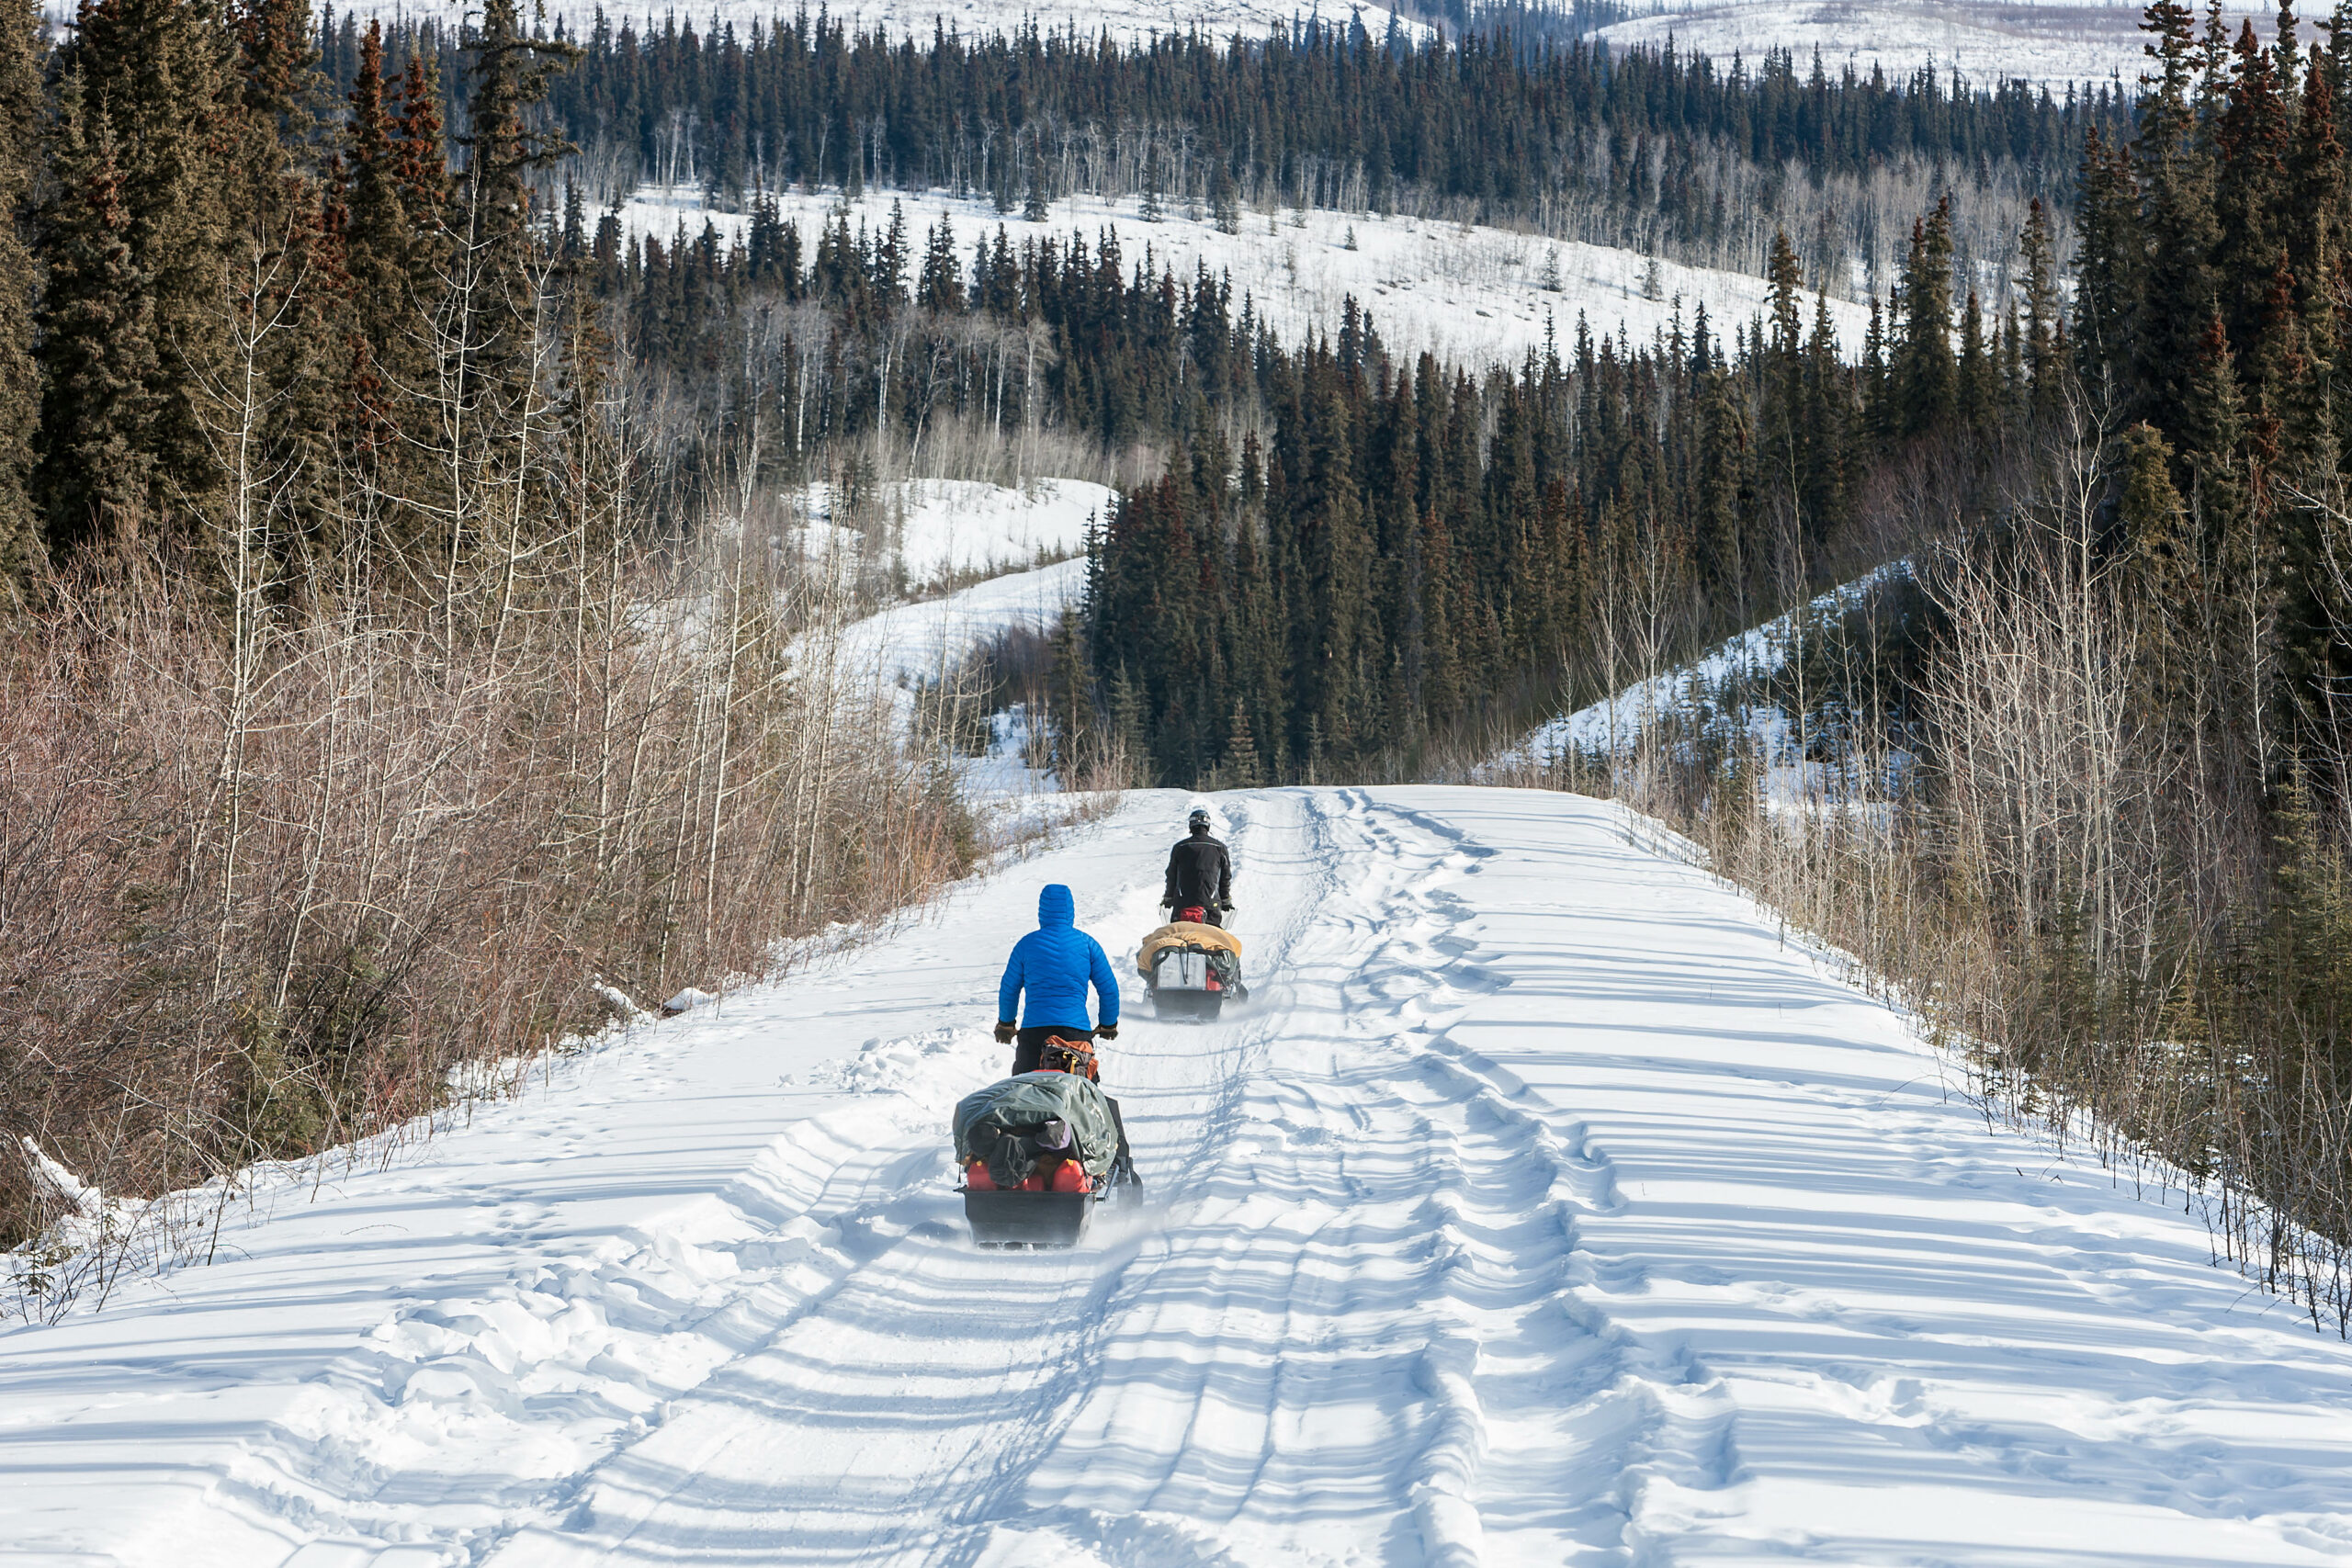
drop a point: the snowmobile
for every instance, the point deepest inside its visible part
(1040, 1150)
(1191, 967)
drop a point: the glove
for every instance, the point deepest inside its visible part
(1108, 1032)
(1226, 905)
(1168, 903)
(1005, 1032)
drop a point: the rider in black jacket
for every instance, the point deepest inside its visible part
(1200, 872)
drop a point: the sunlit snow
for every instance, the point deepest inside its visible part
(1546, 1205)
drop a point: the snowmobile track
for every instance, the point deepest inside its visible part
(1544, 1208)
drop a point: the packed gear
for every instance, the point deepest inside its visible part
(1029, 1045)
(1048, 976)
(1191, 967)
(1200, 873)
(1038, 1150)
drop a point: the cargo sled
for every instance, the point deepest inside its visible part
(1191, 967)
(1037, 1153)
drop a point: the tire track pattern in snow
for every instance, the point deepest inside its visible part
(1346, 1331)
(1391, 1303)
(462, 1421)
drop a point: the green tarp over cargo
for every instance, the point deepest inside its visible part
(1009, 1125)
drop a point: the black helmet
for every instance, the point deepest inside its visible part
(1199, 819)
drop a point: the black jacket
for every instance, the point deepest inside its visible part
(1199, 872)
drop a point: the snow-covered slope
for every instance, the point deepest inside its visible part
(1613, 724)
(943, 530)
(2050, 43)
(1127, 20)
(926, 641)
(1546, 1208)
(1473, 295)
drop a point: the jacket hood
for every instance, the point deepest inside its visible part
(1055, 907)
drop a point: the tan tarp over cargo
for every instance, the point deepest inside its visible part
(1184, 934)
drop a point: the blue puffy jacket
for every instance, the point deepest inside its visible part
(1054, 964)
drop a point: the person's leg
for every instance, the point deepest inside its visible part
(1025, 1046)
(1211, 915)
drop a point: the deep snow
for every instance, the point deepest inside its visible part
(1546, 1207)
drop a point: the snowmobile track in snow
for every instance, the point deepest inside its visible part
(1541, 1207)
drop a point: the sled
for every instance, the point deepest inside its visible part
(1028, 1218)
(1061, 1136)
(1185, 984)
(1017, 1219)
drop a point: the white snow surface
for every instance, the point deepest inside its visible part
(1544, 1207)
(1472, 294)
(2048, 43)
(938, 529)
(926, 641)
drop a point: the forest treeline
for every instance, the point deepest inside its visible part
(807, 100)
(1413, 557)
(1668, 153)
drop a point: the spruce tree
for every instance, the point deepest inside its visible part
(275, 412)
(506, 77)
(2037, 249)
(1924, 373)
(2161, 259)
(2254, 138)
(20, 153)
(1225, 207)
(1242, 768)
(157, 73)
(1824, 404)
(98, 352)
(1033, 209)
(386, 330)
(1975, 382)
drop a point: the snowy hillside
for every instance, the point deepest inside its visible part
(1472, 294)
(1124, 19)
(1546, 1208)
(935, 531)
(926, 640)
(2049, 42)
(1613, 724)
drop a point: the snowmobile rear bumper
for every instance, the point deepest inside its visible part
(1200, 1005)
(1027, 1219)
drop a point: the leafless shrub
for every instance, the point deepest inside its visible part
(2047, 860)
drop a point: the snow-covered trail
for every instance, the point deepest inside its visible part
(1544, 1208)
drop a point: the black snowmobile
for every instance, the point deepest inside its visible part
(1039, 1151)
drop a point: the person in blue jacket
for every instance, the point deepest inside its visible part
(1054, 964)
